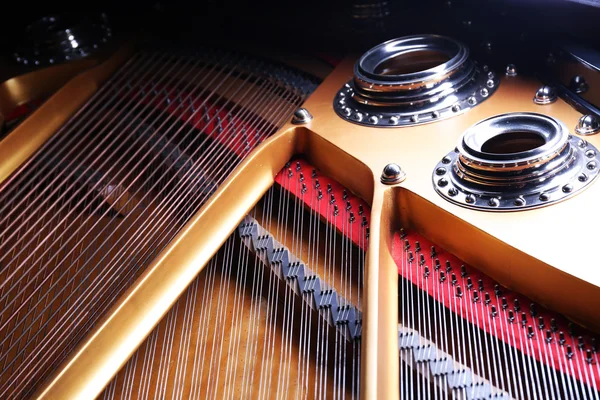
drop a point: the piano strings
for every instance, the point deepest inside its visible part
(109, 191)
(463, 335)
(276, 314)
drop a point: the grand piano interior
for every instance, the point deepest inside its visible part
(318, 199)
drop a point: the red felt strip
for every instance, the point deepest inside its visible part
(217, 122)
(338, 206)
(465, 306)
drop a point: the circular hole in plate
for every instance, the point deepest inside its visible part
(412, 61)
(513, 142)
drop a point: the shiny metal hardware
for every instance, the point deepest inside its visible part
(573, 70)
(545, 95)
(413, 80)
(588, 125)
(392, 174)
(301, 116)
(515, 161)
(578, 84)
(57, 38)
(511, 70)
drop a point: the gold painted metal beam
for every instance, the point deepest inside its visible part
(91, 366)
(523, 251)
(37, 84)
(18, 146)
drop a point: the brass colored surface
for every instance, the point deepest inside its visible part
(37, 84)
(542, 253)
(26, 139)
(116, 337)
(229, 330)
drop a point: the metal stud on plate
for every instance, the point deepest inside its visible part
(578, 84)
(301, 116)
(392, 174)
(511, 70)
(588, 125)
(545, 95)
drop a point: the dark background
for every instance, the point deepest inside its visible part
(499, 31)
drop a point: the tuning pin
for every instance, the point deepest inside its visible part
(475, 296)
(361, 211)
(442, 276)
(336, 210)
(511, 316)
(588, 356)
(437, 264)
(530, 332)
(331, 198)
(458, 291)
(488, 300)
(594, 345)
(448, 266)
(314, 173)
(417, 246)
(571, 329)
(548, 336)
(463, 271)
(367, 232)
(561, 337)
(541, 322)
(319, 194)
(553, 325)
(480, 284)
(569, 352)
(580, 342)
(290, 173)
(301, 177)
(298, 166)
(421, 259)
(493, 311)
(504, 303)
(411, 258)
(352, 218)
(517, 305)
(329, 189)
(497, 290)
(220, 126)
(304, 189)
(454, 280)
(533, 310)
(523, 319)
(345, 194)
(348, 205)
(364, 221)
(432, 252)
(426, 271)
(317, 183)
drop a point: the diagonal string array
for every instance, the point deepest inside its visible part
(83, 255)
(248, 326)
(462, 335)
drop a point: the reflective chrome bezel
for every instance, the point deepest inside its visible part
(443, 91)
(58, 38)
(534, 178)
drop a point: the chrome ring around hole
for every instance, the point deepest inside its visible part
(407, 93)
(544, 172)
(366, 67)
